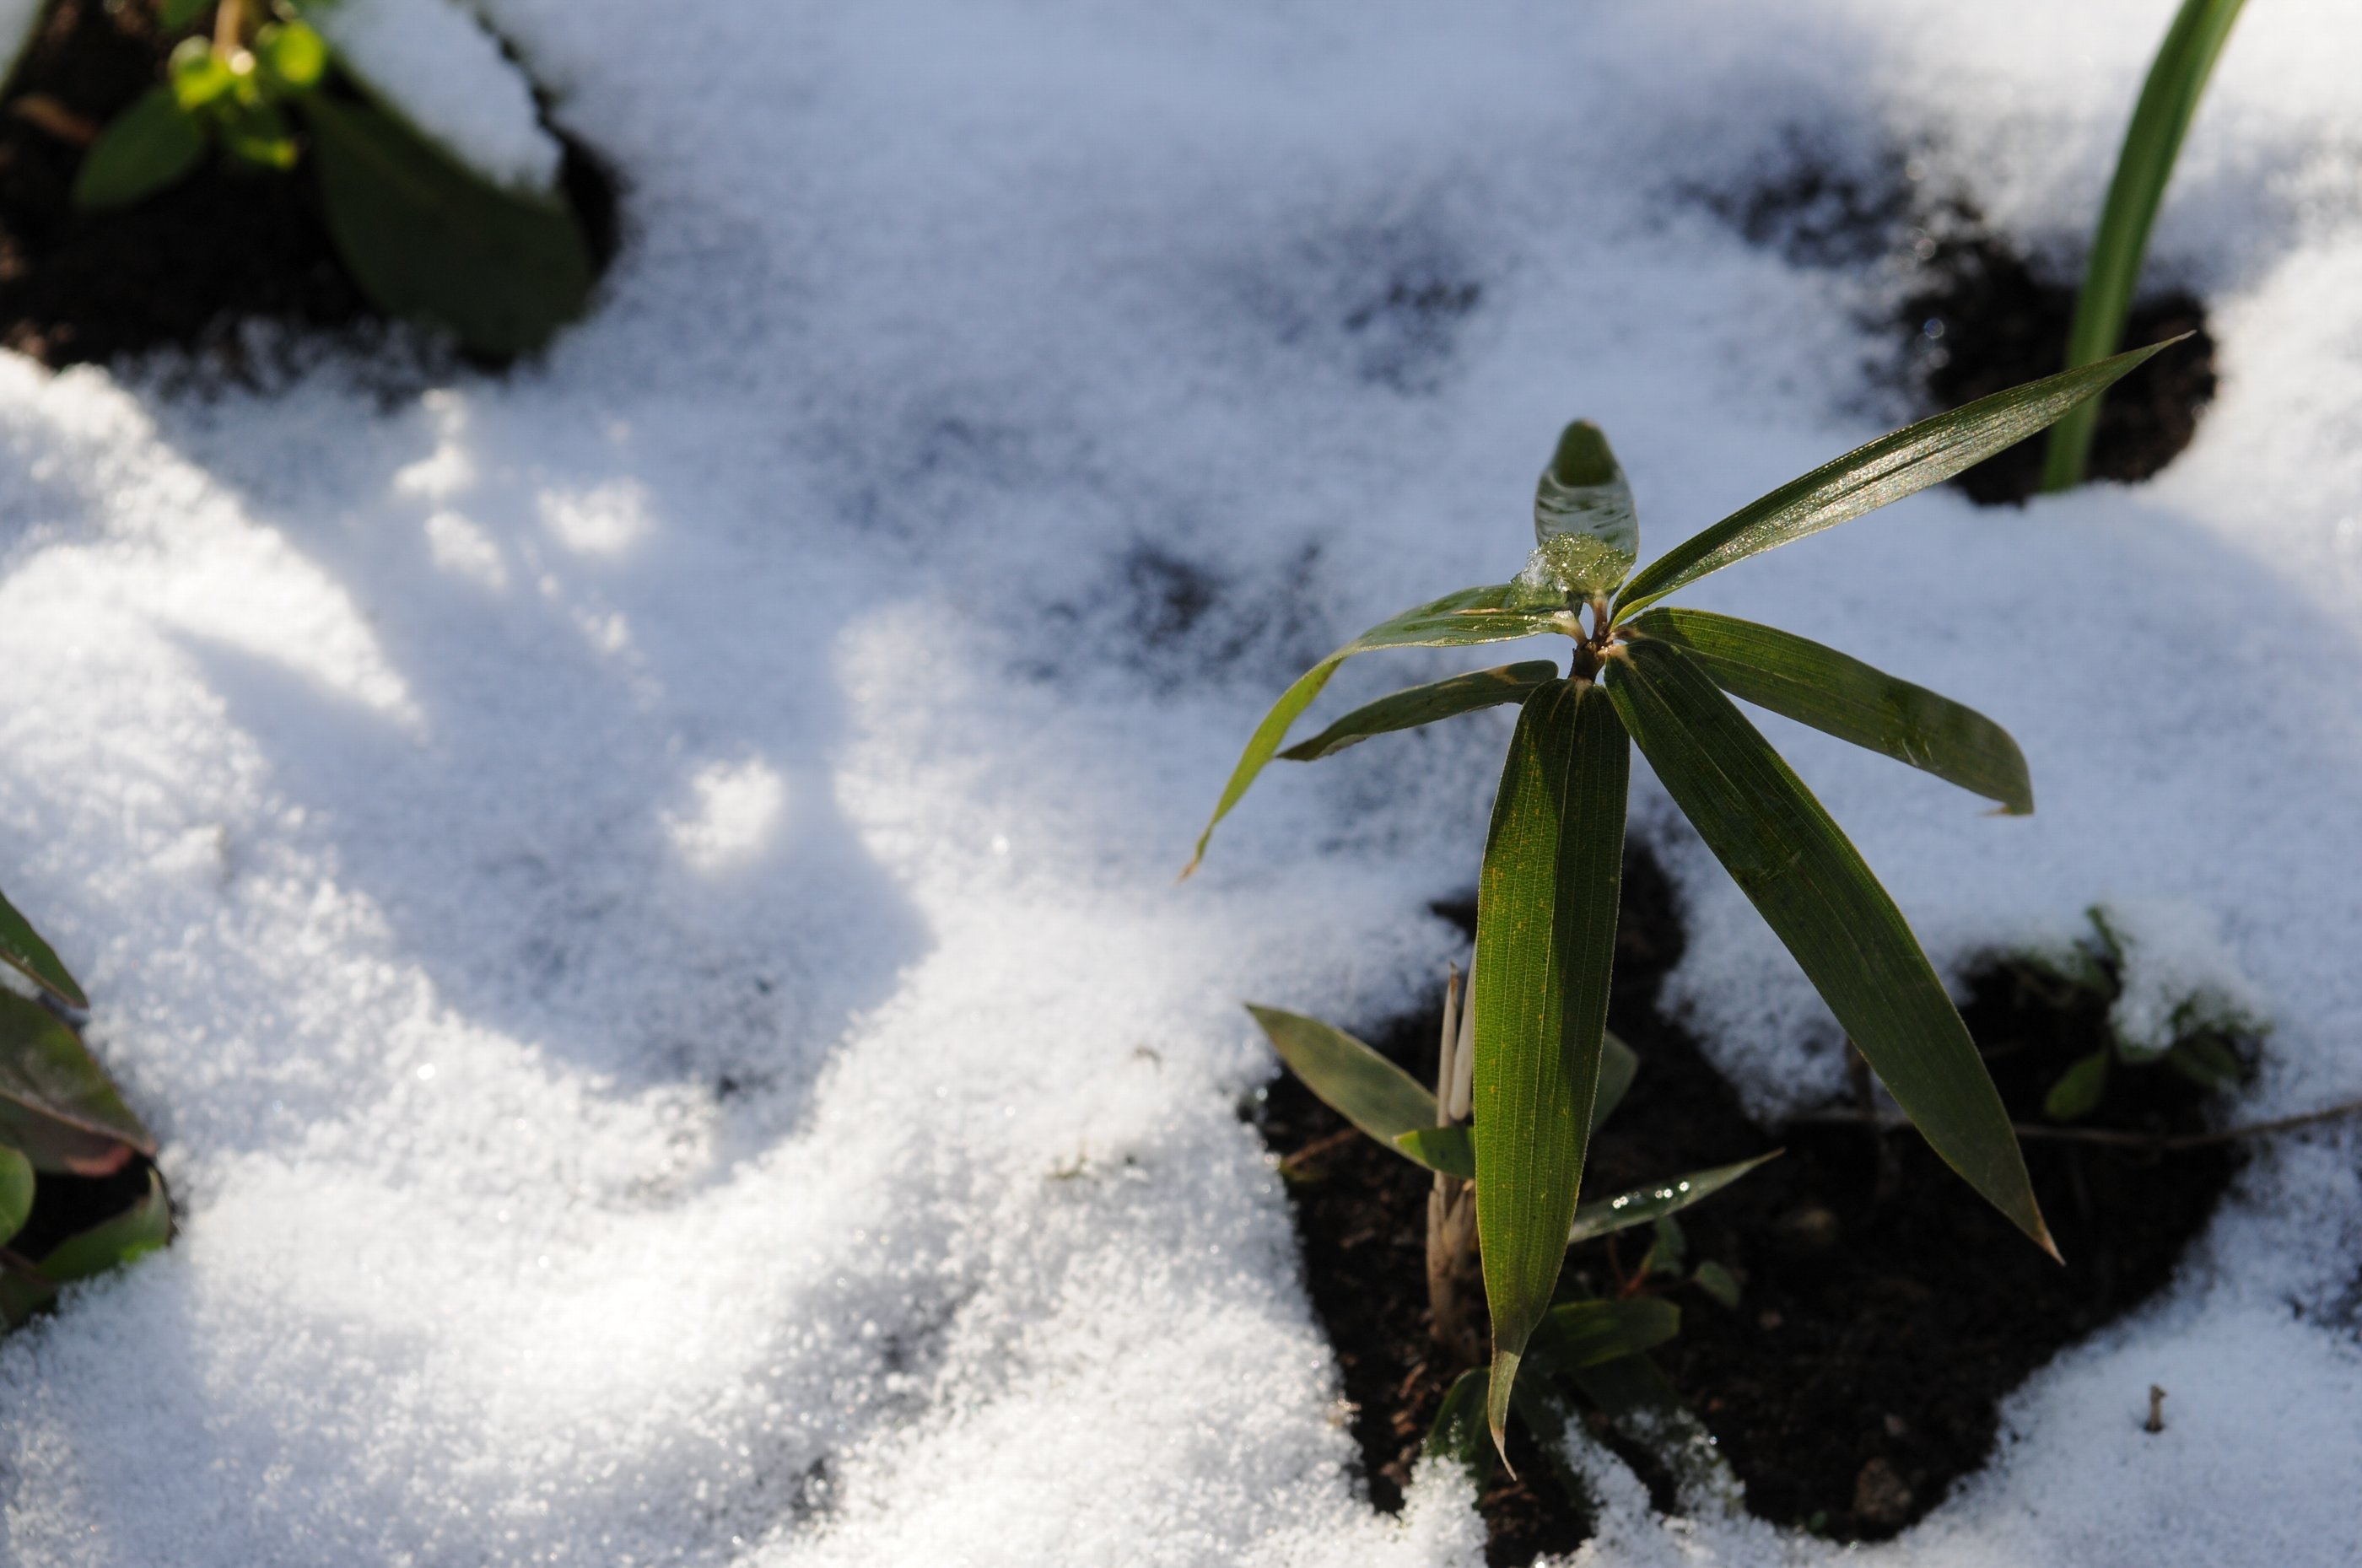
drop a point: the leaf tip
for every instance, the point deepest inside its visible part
(1503, 1378)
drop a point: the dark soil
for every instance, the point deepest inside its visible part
(1982, 321)
(1885, 1310)
(183, 268)
(1978, 315)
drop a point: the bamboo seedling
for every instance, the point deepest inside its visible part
(1644, 673)
(2169, 101)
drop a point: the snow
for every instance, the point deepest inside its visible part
(434, 60)
(638, 894)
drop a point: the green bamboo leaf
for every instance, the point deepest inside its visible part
(22, 949)
(1471, 616)
(15, 1192)
(1717, 1282)
(2077, 1093)
(1896, 465)
(1574, 1335)
(1842, 696)
(1350, 1078)
(1417, 705)
(425, 237)
(152, 144)
(2169, 101)
(1646, 1205)
(1546, 912)
(1812, 887)
(1586, 531)
(1447, 1150)
(56, 1102)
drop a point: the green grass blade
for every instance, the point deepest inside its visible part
(1842, 696)
(1459, 1433)
(1464, 619)
(1586, 530)
(1447, 1150)
(1350, 1078)
(48, 1074)
(2169, 101)
(1896, 465)
(1646, 1205)
(1812, 887)
(1417, 705)
(1546, 912)
(15, 1192)
(22, 949)
(1578, 1335)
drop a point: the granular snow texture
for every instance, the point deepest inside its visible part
(638, 895)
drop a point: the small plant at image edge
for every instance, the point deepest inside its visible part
(2169, 101)
(422, 234)
(1643, 673)
(60, 1118)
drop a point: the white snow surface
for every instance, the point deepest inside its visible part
(434, 60)
(638, 895)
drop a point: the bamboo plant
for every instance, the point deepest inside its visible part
(1641, 672)
(2169, 101)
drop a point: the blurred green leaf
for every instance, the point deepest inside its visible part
(1646, 1205)
(1868, 476)
(1574, 1335)
(152, 144)
(1616, 1067)
(2169, 101)
(22, 949)
(1628, 1386)
(198, 75)
(2207, 1062)
(1415, 705)
(1717, 1282)
(1350, 1077)
(1586, 532)
(1458, 1433)
(121, 1239)
(259, 134)
(1842, 696)
(56, 1102)
(1471, 616)
(15, 1192)
(1546, 914)
(2077, 1093)
(181, 13)
(1812, 887)
(428, 239)
(291, 56)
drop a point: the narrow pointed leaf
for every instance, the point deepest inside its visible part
(1586, 531)
(2169, 101)
(1463, 619)
(48, 1074)
(1646, 1205)
(1868, 476)
(1813, 889)
(1417, 705)
(1447, 1150)
(22, 949)
(1546, 912)
(15, 1192)
(1842, 696)
(1350, 1078)
(1578, 1335)
(152, 144)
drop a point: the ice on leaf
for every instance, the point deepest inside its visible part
(1586, 533)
